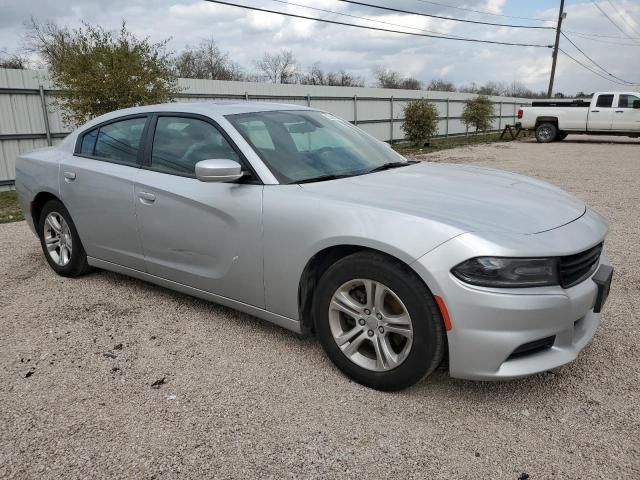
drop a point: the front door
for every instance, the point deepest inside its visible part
(626, 118)
(204, 235)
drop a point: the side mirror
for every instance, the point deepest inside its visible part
(218, 170)
(636, 104)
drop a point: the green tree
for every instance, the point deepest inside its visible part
(420, 121)
(100, 71)
(478, 113)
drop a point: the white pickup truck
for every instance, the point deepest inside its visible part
(608, 113)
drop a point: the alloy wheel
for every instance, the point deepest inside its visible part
(370, 324)
(57, 238)
(545, 133)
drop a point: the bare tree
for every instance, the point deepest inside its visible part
(344, 79)
(440, 85)
(392, 79)
(207, 61)
(12, 60)
(279, 67)
(513, 89)
(387, 78)
(316, 76)
(410, 83)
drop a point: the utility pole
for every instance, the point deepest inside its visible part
(561, 16)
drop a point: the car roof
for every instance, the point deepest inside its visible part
(213, 109)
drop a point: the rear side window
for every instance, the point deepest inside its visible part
(117, 141)
(89, 142)
(605, 101)
(626, 101)
(181, 142)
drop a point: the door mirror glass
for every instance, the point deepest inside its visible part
(218, 170)
(636, 104)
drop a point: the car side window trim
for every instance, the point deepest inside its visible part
(139, 155)
(149, 134)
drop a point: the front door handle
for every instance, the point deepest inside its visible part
(146, 197)
(69, 176)
(595, 111)
(619, 111)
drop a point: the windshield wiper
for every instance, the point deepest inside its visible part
(387, 166)
(322, 178)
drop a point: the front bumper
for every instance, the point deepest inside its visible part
(490, 324)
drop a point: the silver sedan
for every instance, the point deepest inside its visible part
(298, 217)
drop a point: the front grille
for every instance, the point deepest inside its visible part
(575, 268)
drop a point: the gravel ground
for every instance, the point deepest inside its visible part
(244, 399)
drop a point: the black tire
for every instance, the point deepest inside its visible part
(429, 338)
(546, 133)
(77, 264)
(561, 136)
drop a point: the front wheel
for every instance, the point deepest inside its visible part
(378, 322)
(60, 241)
(546, 132)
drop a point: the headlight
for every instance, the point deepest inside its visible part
(508, 272)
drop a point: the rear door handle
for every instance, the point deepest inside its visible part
(619, 111)
(69, 176)
(595, 111)
(146, 197)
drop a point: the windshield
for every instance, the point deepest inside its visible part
(300, 146)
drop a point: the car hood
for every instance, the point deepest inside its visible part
(467, 197)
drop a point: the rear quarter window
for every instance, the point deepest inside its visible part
(89, 142)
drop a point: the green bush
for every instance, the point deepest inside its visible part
(99, 71)
(420, 121)
(478, 113)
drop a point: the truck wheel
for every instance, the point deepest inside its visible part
(546, 132)
(561, 136)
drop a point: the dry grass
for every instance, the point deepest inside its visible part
(9, 208)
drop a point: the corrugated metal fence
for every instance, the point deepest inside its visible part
(28, 121)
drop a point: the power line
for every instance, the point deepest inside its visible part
(483, 12)
(611, 20)
(363, 18)
(590, 69)
(599, 38)
(624, 19)
(596, 63)
(415, 34)
(597, 35)
(454, 19)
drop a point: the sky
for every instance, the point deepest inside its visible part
(246, 35)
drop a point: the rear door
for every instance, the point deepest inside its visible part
(96, 185)
(601, 113)
(626, 118)
(204, 235)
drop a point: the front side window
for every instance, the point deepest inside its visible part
(117, 141)
(605, 101)
(626, 101)
(303, 145)
(179, 143)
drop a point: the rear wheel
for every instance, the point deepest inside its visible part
(561, 136)
(377, 322)
(546, 132)
(60, 241)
